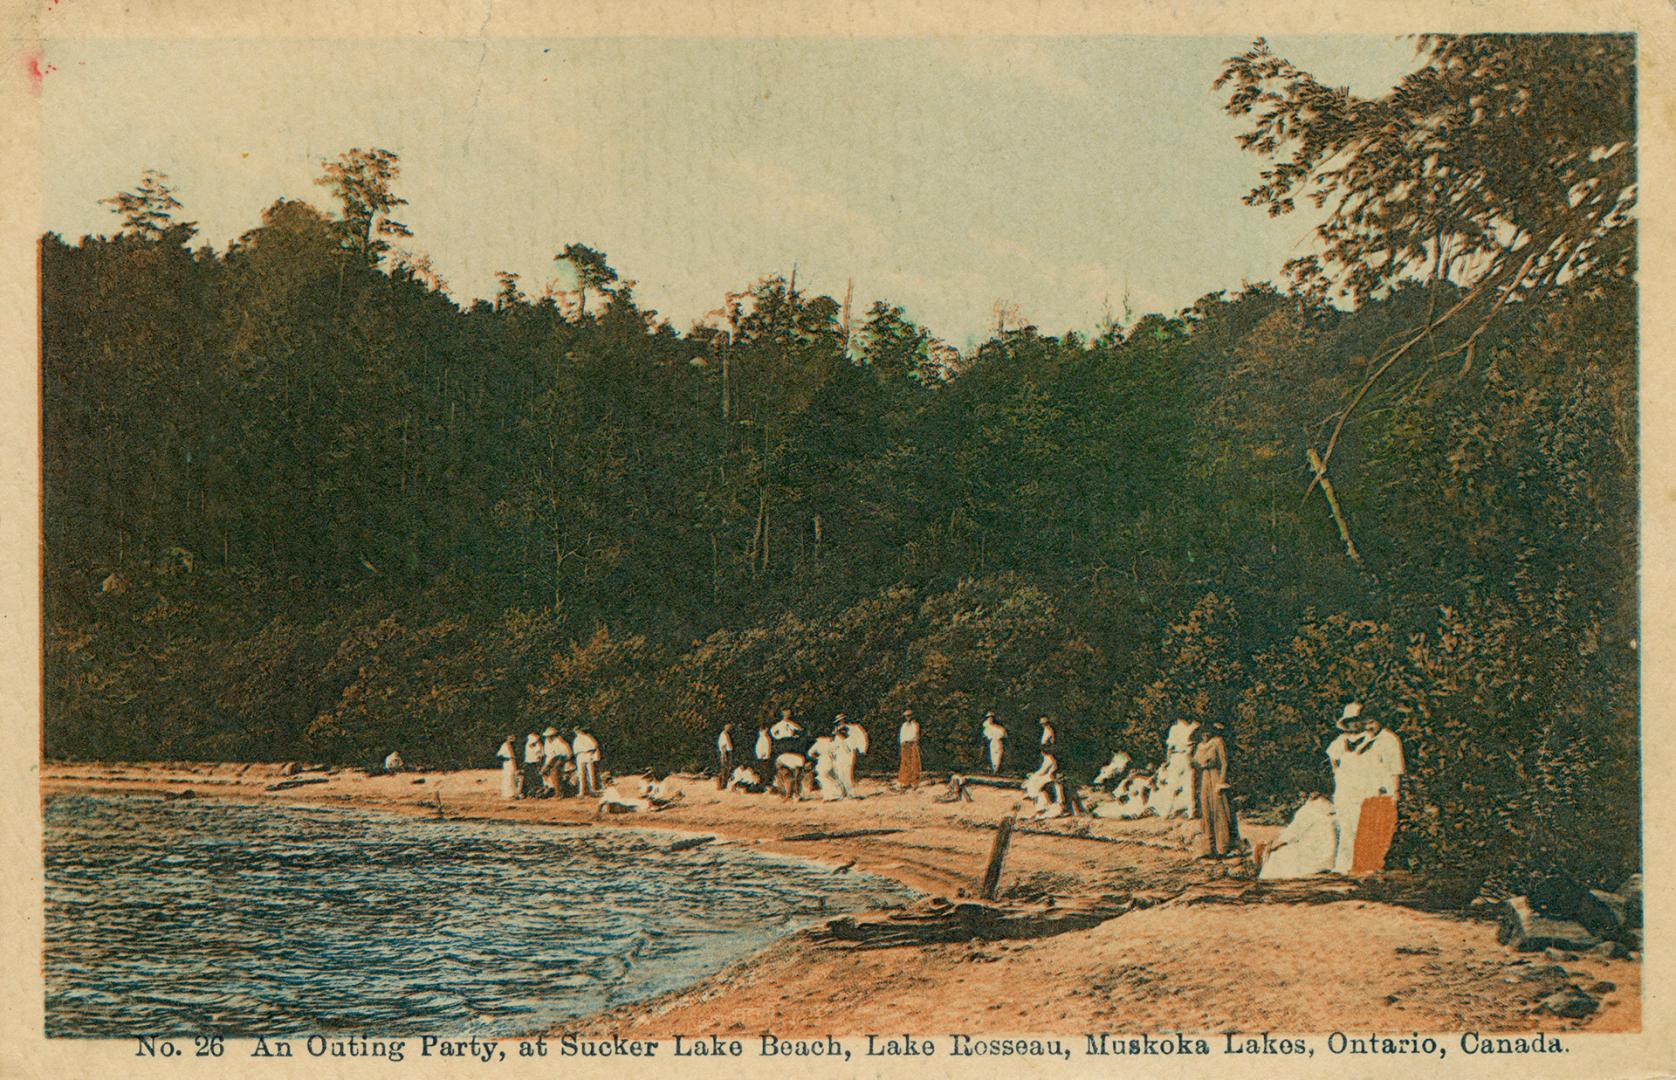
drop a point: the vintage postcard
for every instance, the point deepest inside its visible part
(932, 542)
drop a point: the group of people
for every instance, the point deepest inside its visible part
(548, 764)
(1350, 834)
(791, 759)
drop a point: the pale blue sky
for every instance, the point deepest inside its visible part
(941, 174)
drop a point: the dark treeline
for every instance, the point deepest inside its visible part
(300, 503)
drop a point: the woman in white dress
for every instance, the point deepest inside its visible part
(508, 769)
(1306, 846)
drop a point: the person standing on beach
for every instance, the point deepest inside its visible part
(1348, 787)
(843, 757)
(787, 734)
(534, 756)
(508, 755)
(724, 756)
(587, 763)
(1210, 774)
(556, 755)
(1382, 767)
(994, 734)
(1047, 733)
(1178, 796)
(907, 737)
(765, 745)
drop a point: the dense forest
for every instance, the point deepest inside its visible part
(299, 502)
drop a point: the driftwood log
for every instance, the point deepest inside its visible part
(841, 834)
(938, 920)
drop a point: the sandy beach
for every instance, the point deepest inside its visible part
(1199, 950)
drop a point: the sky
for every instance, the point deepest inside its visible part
(1059, 175)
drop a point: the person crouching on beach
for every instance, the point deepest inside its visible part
(907, 737)
(788, 774)
(587, 763)
(556, 758)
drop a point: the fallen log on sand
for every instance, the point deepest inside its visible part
(285, 785)
(841, 834)
(939, 920)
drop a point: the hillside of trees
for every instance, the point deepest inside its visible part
(301, 503)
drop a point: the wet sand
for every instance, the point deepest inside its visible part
(1204, 955)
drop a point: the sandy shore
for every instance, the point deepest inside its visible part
(1208, 953)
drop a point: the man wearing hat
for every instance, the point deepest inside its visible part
(1349, 788)
(995, 735)
(556, 754)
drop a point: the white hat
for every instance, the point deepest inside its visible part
(551, 731)
(1352, 711)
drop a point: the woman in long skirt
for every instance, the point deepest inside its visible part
(907, 773)
(1210, 773)
(508, 769)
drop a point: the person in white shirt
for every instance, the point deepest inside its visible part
(1306, 846)
(1039, 787)
(393, 762)
(724, 755)
(508, 755)
(1178, 795)
(907, 737)
(1349, 784)
(823, 760)
(555, 755)
(788, 774)
(787, 734)
(1047, 732)
(587, 763)
(995, 735)
(843, 757)
(1381, 767)
(765, 744)
(745, 779)
(533, 758)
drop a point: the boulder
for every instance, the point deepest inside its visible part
(1525, 930)
(1630, 890)
(1573, 1004)
(1603, 914)
(1609, 950)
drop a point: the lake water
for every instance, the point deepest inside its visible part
(197, 916)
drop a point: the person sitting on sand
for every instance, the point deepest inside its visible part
(393, 762)
(508, 768)
(1113, 771)
(746, 779)
(1039, 787)
(612, 801)
(788, 774)
(658, 791)
(1307, 844)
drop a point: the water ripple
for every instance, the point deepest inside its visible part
(178, 918)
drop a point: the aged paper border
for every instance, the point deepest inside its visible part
(23, 1049)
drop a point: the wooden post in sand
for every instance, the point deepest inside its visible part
(997, 853)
